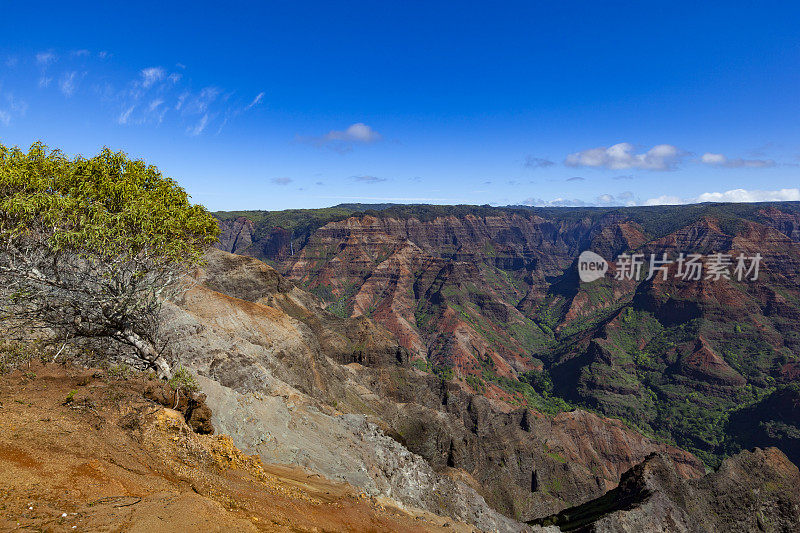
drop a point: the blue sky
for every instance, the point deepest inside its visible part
(306, 104)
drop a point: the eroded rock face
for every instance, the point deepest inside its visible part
(298, 385)
(237, 235)
(756, 490)
(192, 405)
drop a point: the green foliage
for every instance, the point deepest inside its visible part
(541, 401)
(183, 379)
(555, 456)
(70, 397)
(476, 383)
(444, 372)
(107, 206)
(539, 380)
(15, 354)
(300, 222)
(120, 371)
(421, 364)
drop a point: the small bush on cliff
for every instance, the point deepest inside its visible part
(183, 380)
(90, 248)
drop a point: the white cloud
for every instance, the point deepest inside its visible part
(145, 97)
(125, 116)
(5, 117)
(181, 100)
(152, 75)
(199, 127)
(742, 195)
(604, 200)
(281, 181)
(343, 140)
(69, 83)
(666, 199)
(200, 103)
(719, 160)
(621, 156)
(734, 195)
(45, 58)
(358, 132)
(256, 101)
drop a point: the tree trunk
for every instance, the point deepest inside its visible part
(162, 367)
(147, 352)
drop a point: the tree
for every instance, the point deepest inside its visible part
(90, 248)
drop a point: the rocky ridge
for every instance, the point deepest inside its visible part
(756, 490)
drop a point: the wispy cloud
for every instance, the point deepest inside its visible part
(576, 178)
(11, 107)
(537, 162)
(149, 96)
(198, 128)
(621, 156)
(68, 83)
(45, 58)
(719, 160)
(125, 116)
(256, 101)
(281, 181)
(368, 179)
(152, 75)
(198, 103)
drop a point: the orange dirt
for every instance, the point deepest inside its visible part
(109, 460)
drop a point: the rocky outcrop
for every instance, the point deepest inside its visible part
(192, 405)
(756, 490)
(236, 235)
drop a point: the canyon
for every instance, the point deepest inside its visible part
(489, 298)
